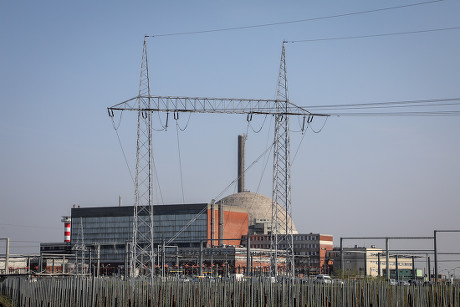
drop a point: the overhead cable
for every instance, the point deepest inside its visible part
(433, 113)
(320, 129)
(412, 108)
(186, 125)
(298, 147)
(386, 103)
(269, 148)
(295, 21)
(157, 179)
(261, 126)
(266, 159)
(121, 146)
(373, 35)
(191, 221)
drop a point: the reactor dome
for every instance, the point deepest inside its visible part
(259, 209)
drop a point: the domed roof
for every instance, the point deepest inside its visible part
(259, 207)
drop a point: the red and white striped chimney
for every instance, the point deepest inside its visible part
(66, 220)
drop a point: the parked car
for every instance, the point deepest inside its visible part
(413, 282)
(338, 282)
(403, 283)
(393, 282)
(323, 279)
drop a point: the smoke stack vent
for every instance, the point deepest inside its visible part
(66, 220)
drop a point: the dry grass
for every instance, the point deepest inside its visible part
(5, 302)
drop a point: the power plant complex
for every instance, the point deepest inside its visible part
(227, 236)
(240, 249)
(242, 233)
(187, 232)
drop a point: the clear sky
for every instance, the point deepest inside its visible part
(63, 63)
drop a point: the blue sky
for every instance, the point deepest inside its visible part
(63, 63)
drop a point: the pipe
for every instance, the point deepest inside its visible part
(387, 257)
(241, 140)
(7, 269)
(435, 257)
(221, 224)
(248, 255)
(213, 223)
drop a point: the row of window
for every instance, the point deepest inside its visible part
(165, 217)
(305, 238)
(156, 218)
(98, 226)
(400, 264)
(104, 224)
(295, 238)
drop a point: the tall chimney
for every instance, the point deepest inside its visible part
(66, 220)
(241, 140)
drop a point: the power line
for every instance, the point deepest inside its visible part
(414, 105)
(294, 21)
(121, 146)
(433, 113)
(218, 196)
(386, 103)
(431, 105)
(373, 35)
(397, 106)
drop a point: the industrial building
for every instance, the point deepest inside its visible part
(310, 250)
(371, 261)
(190, 225)
(220, 230)
(186, 235)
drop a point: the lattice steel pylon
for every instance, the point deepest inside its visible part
(80, 248)
(142, 258)
(145, 105)
(281, 193)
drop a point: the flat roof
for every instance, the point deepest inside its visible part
(129, 210)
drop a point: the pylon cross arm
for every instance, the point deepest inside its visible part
(211, 105)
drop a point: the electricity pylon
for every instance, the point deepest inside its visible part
(80, 247)
(281, 193)
(142, 240)
(145, 105)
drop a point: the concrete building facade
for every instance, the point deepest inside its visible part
(111, 228)
(368, 261)
(310, 250)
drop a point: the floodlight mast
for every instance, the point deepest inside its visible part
(145, 104)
